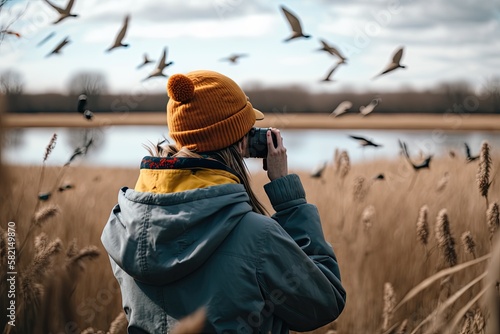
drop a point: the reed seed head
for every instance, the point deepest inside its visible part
(468, 243)
(42, 260)
(483, 171)
(423, 225)
(389, 305)
(44, 214)
(493, 218)
(445, 240)
(367, 216)
(478, 323)
(359, 190)
(468, 323)
(344, 164)
(50, 147)
(41, 242)
(72, 249)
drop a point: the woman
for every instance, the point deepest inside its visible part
(192, 233)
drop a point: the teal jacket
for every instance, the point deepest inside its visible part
(173, 253)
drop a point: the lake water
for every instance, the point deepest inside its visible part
(123, 145)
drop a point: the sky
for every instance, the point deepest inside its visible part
(443, 40)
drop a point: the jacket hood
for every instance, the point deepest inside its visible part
(160, 238)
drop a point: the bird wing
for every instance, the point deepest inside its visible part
(357, 138)
(59, 9)
(336, 52)
(467, 150)
(329, 74)
(292, 20)
(325, 45)
(163, 59)
(60, 45)
(69, 6)
(404, 148)
(397, 56)
(122, 32)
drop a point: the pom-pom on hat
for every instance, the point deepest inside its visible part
(207, 111)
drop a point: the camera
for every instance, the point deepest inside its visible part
(257, 142)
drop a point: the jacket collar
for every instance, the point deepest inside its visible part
(174, 174)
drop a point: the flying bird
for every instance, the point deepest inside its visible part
(58, 48)
(342, 108)
(63, 12)
(233, 59)
(145, 60)
(332, 50)
(295, 25)
(365, 110)
(416, 167)
(43, 41)
(162, 64)
(121, 34)
(468, 156)
(365, 142)
(319, 170)
(394, 64)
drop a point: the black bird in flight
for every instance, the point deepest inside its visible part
(416, 167)
(58, 48)
(365, 142)
(318, 171)
(295, 25)
(468, 156)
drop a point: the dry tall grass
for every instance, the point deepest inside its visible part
(380, 265)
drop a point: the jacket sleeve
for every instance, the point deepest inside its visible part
(299, 271)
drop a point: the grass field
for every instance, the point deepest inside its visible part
(65, 283)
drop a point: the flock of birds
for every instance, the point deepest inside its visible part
(297, 32)
(292, 19)
(423, 163)
(118, 41)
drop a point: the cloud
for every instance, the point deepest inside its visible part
(153, 11)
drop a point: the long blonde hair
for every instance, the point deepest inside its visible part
(230, 156)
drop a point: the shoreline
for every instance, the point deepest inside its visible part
(446, 121)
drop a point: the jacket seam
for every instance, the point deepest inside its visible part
(142, 243)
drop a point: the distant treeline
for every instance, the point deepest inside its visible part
(273, 100)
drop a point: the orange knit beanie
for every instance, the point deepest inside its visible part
(207, 111)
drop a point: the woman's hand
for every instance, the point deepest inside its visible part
(277, 162)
